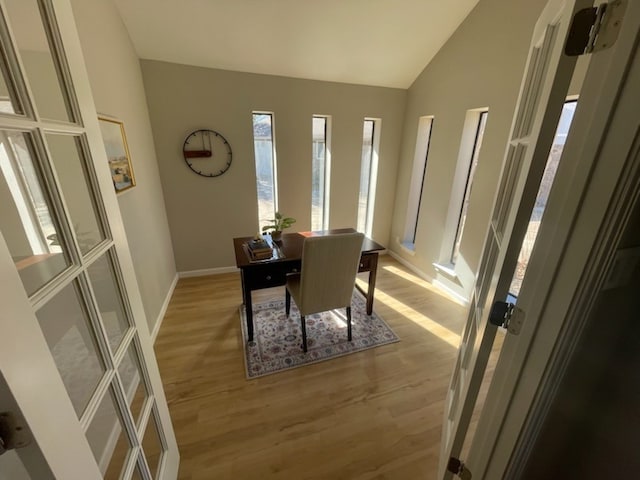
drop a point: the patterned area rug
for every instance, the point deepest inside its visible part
(277, 341)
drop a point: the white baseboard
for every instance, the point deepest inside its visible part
(163, 310)
(451, 293)
(207, 271)
(411, 267)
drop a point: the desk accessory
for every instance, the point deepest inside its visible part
(261, 250)
(278, 224)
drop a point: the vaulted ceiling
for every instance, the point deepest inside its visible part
(369, 42)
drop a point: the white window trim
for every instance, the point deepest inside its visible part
(465, 154)
(327, 175)
(17, 185)
(327, 170)
(276, 188)
(373, 179)
(273, 154)
(373, 174)
(423, 139)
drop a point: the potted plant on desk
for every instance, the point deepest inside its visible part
(278, 224)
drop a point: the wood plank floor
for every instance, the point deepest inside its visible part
(376, 414)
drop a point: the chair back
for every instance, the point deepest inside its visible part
(328, 273)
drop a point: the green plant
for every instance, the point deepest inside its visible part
(279, 223)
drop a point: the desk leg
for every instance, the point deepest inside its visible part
(372, 283)
(248, 307)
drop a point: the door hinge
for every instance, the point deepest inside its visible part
(458, 468)
(596, 28)
(14, 432)
(507, 315)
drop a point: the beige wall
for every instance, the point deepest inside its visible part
(118, 91)
(206, 213)
(480, 66)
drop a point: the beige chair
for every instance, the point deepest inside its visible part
(327, 276)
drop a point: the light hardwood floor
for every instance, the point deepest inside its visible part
(376, 414)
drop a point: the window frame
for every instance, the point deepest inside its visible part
(417, 181)
(461, 188)
(20, 189)
(473, 163)
(365, 224)
(274, 165)
(326, 173)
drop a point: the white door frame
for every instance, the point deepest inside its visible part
(594, 191)
(25, 359)
(30, 380)
(543, 90)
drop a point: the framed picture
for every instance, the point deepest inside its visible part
(115, 143)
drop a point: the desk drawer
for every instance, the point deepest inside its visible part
(269, 275)
(367, 260)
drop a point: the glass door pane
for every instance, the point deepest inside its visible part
(136, 474)
(549, 175)
(109, 298)
(108, 439)
(27, 219)
(65, 325)
(152, 446)
(42, 68)
(10, 102)
(133, 382)
(75, 181)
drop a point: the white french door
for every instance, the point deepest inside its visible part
(77, 367)
(576, 253)
(544, 87)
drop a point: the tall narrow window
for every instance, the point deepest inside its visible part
(321, 167)
(418, 175)
(266, 174)
(475, 151)
(368, 174)
(544, 189)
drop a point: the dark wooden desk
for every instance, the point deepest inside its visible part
(273, 273)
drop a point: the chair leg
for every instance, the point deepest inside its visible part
(287, 301)
(349, 323)
(304, 334)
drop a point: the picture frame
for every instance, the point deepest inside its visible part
(115, 144)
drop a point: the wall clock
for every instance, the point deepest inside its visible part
(207, 153)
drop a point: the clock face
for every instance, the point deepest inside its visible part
(207, 153)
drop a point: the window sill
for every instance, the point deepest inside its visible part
(448, 269)
(407, 247)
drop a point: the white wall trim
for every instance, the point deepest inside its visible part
(410, 266)
(207, 271)
(460, 181)
(373, 176)
(418, 177)
(163, 310)
(451, 293)
(448, 269)
(406, 247)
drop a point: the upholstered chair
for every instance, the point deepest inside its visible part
(327, 276)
